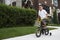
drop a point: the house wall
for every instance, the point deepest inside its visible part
(19, 3)
(7, 2)
(10, 2)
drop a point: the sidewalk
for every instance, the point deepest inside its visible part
(55, 36)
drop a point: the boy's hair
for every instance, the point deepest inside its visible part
(40, 4)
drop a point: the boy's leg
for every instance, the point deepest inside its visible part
(43, 24)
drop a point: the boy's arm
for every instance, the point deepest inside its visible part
(39, 17)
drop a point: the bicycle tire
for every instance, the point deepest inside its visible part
(46, 31)
(38, 33)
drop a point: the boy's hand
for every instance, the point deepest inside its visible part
(39, 18)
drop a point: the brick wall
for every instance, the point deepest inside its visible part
(35, 2)
(49, 2)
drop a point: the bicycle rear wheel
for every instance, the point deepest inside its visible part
(46, 31)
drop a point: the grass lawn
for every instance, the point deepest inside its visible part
(53, 24)
(16, 31)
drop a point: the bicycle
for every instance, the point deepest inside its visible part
(40, 31)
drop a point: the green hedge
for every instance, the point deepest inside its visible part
(12, 16)
(55, 20)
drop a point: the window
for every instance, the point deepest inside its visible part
(13, 3)
(55, 3)
(23, 2)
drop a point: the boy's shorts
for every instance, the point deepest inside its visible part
(43, 22)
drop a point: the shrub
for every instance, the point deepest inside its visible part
(12, 16)
(55, 20)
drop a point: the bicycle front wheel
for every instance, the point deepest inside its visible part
(38, 33)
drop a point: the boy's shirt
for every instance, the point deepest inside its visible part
(42, 14)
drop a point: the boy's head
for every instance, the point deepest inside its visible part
(40, 6)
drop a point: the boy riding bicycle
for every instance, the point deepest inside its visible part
(43, 16)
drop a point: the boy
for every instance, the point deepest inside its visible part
(42, 14)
